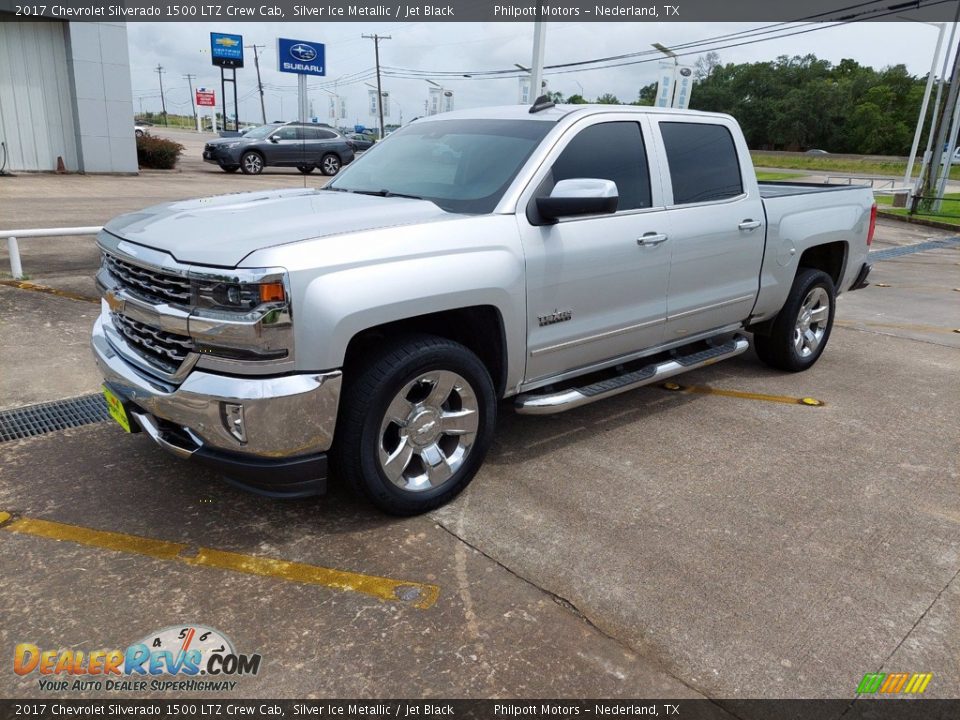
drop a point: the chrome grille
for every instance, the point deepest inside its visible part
(153, 285)
(164, 349)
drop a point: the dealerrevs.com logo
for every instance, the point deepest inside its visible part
(179, 658)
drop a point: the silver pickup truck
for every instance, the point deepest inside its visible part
(556, 255)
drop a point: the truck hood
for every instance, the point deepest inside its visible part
(221, 231)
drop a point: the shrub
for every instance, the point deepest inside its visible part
(157, 153)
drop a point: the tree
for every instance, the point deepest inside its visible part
(705, 65)
(555, 97)
(608, 99)
(647, 95)
(576, 99)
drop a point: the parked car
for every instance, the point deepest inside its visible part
(556, 256)
(140, 130)
(360, 141)
(817, 151)
(303, 146)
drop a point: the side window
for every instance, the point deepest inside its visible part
(609, 151)
(325, 134)
(288, 133)
(703, 162)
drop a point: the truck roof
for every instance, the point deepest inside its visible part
(557, 112)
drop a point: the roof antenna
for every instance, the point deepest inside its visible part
(542, 103)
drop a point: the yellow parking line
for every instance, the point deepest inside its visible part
(24, 285)
(706, 390)
(422, 595)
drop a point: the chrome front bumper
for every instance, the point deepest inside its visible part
(283, 418)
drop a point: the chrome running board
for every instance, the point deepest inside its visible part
(563, 400)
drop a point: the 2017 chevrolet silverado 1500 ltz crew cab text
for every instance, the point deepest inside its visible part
(556, 255)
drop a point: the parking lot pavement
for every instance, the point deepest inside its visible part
(659, 543)
(488, 633)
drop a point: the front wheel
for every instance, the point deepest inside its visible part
(800, 333)
(415, 424)
(251, 163)
(330, 165)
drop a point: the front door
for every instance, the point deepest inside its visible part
(596, 285)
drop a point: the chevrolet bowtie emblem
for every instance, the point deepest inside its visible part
(116, 304)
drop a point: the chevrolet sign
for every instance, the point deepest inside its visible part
(301, 57)
(226, 50)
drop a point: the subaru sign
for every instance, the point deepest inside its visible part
(301, 57)
(226, 50)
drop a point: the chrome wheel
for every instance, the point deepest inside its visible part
(428, 430)
(811, 322)
(252, 164)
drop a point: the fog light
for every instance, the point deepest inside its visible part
(233, 420)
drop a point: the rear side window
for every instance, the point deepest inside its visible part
(609, 151)
(325, 134)
(703, 162)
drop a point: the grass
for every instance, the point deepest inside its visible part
(825, 163)
(953, 207)
(772, 176)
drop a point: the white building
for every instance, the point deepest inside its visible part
(65, 93)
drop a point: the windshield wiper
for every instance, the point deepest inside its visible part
(383, 193)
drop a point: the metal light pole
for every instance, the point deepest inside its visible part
(922, 117)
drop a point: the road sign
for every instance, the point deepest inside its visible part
(301, 57)
(226, 50)
(206, 98)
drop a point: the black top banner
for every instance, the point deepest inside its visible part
(833, 11)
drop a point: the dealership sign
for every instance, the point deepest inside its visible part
(301, 57)
(206, 98)
(226, 50)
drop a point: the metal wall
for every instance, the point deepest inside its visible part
(36, 107)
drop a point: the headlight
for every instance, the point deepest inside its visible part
(238, 296)
(231, 145)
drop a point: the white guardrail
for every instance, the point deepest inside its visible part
(13, 236)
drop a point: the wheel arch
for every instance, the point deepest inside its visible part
(480, 328)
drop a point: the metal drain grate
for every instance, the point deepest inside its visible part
(47, 417)
(890, 253)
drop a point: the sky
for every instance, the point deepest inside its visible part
(183, 48)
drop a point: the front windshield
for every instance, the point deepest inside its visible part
(258, 133)
(461, 165)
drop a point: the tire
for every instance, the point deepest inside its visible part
(800, 333)
(330, 164)
(306, 169)
(251, 163)
(138, 133)
(229, 168)
(391, 446)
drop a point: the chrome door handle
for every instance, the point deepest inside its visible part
(749, 224)
(651, 239)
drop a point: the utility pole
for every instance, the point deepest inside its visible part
(376, 51)
(193, 100)
(942, 126)
(536, 65)
(163, 102)
(256, 61)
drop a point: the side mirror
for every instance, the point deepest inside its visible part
(580, 196)
(274, 139)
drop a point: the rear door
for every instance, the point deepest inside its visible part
(596, 285)
(716, 223)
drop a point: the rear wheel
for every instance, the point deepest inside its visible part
(415, 424)
(306, 169)
(330, 164)
(251, 163)
(800, 333)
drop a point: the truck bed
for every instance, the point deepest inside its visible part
(774, 189)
